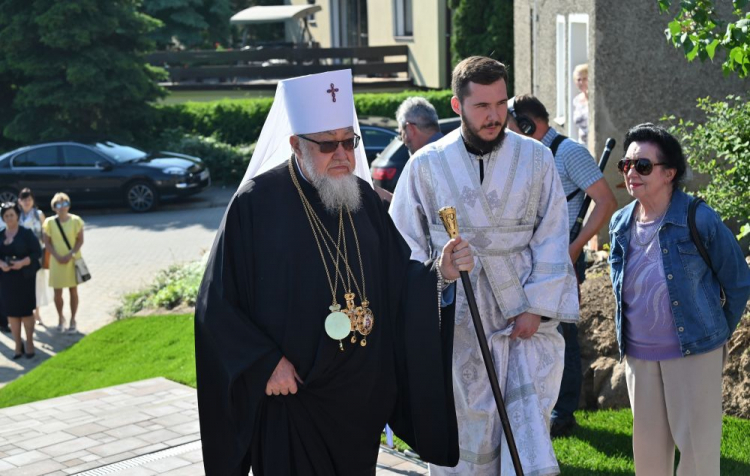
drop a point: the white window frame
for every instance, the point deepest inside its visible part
(573, 61)
(402, 18)
(560, 76)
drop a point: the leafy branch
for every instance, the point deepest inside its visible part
(700, 32)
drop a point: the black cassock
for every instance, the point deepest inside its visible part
(265, 295)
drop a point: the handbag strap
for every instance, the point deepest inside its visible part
(57, 220)
(694, 231)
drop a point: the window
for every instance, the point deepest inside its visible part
(376, 138)
(77, 156)
(560, 76)
(578, 53)
(40, 157)
(403, 17)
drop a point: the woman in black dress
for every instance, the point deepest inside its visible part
(19, 261)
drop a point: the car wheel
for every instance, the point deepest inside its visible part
(8, 195)
(141, 197)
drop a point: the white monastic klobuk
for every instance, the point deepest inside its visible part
(306, 105)
(516, 223)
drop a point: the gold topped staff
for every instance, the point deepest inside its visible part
(448, 217)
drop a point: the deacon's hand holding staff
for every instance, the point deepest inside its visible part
(456, 257)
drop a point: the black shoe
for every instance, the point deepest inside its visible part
(31, 355)
(17, 356)
(562, 428)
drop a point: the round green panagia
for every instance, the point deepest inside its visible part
(337, 325)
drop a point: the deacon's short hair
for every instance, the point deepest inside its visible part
(529, 106)
(670, 150)
(581, 70)
(479, 70)
(417, 111)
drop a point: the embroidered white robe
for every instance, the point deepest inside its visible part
(516, 224)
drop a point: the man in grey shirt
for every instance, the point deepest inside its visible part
(580, 176)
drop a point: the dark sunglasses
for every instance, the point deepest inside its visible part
(329, 146)
(62, 204)
(642, 166)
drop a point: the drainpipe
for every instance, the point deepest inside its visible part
(534, 28)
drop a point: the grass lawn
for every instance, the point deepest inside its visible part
(124, 351)
(162, 346)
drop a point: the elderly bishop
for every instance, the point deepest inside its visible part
(313, 327)
(511, 208)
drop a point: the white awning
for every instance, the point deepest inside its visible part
(271, 14)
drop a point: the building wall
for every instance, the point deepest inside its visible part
(320, 28)
(427, 48)
(640, 77)
(634, 74)
(535, 50)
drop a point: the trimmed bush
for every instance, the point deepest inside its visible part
(226, 162)
(240, 121)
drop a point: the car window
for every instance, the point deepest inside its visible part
(377, 137)
(77, 156)
(120, 153)
(39, 157)
(395, 153)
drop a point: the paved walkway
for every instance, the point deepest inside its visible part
(123, 251)
(142, 428)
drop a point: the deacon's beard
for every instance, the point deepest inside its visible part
(335, 192)
(471, 135)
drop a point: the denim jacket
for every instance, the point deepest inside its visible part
(701, 323)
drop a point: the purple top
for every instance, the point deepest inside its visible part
(649, 331)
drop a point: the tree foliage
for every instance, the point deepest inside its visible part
(701, 32)
(720, 149)
(483, 28)
(76, 68)
(189, 23)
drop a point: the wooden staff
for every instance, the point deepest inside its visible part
(448, 216)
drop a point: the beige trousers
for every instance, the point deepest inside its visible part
(676, 402)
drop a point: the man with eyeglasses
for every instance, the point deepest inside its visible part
(313, 327)
(417, 123)
(580, 176)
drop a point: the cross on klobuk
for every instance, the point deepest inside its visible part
(333, 92)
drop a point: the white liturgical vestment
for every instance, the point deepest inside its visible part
(516, 224)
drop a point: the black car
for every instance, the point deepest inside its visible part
(386, 169)
(377, 133)
(100, 172)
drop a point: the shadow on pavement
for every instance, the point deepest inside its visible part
(48, 342)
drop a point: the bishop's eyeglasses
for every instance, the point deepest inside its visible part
(329, 146)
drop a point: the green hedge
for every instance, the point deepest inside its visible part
(226, 162)
(240, 121)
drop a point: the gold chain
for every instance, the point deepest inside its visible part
(332, 284)
(321, 229)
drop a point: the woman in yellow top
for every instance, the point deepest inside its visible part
(62, 273)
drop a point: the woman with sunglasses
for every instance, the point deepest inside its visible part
(33, 218)
(670, 323)
(64, 250)
(19, 261)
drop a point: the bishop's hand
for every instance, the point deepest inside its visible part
(283, 380)
(456, 257)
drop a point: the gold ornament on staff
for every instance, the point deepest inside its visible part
(450, 222)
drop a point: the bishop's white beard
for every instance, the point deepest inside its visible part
(335, 192)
